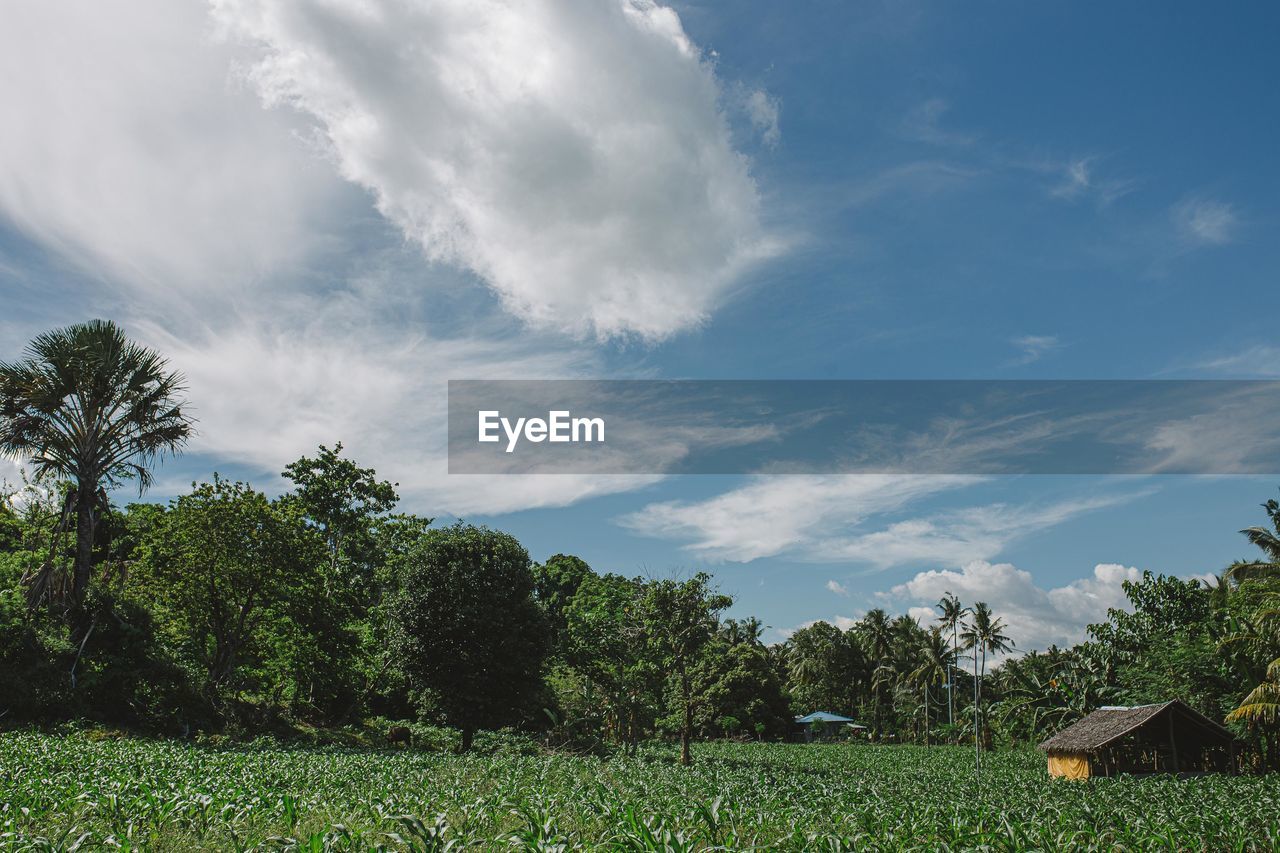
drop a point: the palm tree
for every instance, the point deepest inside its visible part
(1262, 704)
(983, 635)
(1268, 541)
(89, 406)
(952, 611)
(876, 631)
(934, 665)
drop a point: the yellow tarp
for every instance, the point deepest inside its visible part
(1068, 766)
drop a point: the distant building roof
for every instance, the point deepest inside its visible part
(823, 717)
(1112, 722)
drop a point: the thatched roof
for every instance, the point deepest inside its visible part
(1108, 724)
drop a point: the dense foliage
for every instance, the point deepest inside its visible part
(168, 796)
(228, 611)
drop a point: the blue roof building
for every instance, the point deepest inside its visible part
(824, 725)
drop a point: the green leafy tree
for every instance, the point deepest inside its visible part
(604, 641)
(344, 657)
(555, 582)
(343, 500)
(744, 689)
(229, 570)
(88, 405)
(467, 631)
(680, 619)
(824, 669)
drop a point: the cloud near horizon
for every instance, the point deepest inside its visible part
(1035, 617)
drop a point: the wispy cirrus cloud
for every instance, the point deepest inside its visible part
(1035, 347)
(1259, 360)
(832, 519)
(1079, 179)
(1202, 222)
(781, 514)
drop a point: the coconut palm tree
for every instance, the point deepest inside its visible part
(1266, 540)
(877, 633)
(983, 634)
(88, 406)
(934, 665)
(951, 612)
(1262, 704)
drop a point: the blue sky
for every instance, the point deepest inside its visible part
(322, 211)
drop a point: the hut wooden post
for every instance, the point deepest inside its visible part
(1173, 743)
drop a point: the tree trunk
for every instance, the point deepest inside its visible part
(84, 545)
(926, 714)
(977, 743)
(686, 730)
(468, 736)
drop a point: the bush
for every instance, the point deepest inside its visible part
(505, 741)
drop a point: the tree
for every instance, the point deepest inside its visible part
(1261, 707)
(555, 582)
(951, 613)
(342, 500)
(466, 630)
(604, 641)
(983, 634)
(680, 619)
(88, 405)
(824, 666)
(934, 666)
(230, 571)
(346, 504)
(876, 632)
(742, 686)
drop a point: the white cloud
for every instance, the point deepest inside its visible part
(958, 536)
(572, 153)
(123, 148)
(822, 519)
(1205, 222)
(837, 587)
(1034, 347)
(763, 111)
(844, 623)
(781, 514)
(1075, 181)
(923, 123)
(1258, 360)
(1036, 617)
(266, 393)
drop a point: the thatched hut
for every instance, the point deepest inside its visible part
(1171, 737)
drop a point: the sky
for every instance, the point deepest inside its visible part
(323, 211)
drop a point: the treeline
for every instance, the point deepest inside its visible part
(325, 608)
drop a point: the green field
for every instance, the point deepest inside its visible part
(60, 792)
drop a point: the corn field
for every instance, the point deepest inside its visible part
(79, 793)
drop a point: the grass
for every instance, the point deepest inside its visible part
(65, 792)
